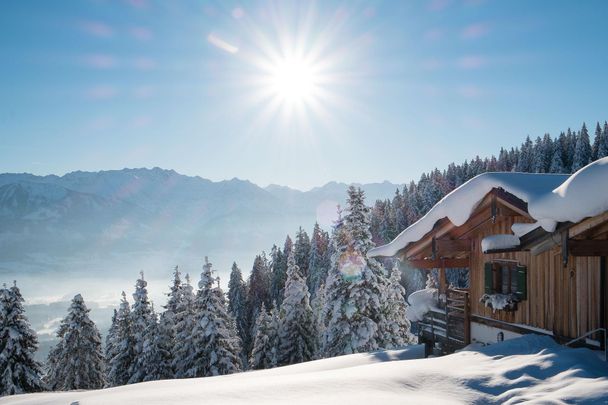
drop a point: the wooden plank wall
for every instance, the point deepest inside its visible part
(562, 300)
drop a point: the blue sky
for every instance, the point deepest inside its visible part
(399, 87)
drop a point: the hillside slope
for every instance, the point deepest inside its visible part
(530, 368)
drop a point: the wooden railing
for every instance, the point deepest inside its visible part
(450, 323)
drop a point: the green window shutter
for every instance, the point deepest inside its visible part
(488, 277)
(522, 282)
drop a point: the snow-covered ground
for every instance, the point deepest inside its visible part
(531, 368)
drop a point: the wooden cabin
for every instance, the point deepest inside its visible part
(541, 281)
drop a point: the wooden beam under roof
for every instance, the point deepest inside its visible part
(444, 247)
(438, 263)
(591, 247)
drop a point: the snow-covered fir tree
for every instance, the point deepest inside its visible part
(237, 305)
(597, 139)
(396, 325)
(297, 332)
(216, 342)
(141, 316)
(258, 289)
(301, 251)
(318, 260)
(76, 362)
(582, 150)
(168, 317)
(156, 352)
(185, 319)
(111, 343)
(279, 271)
(174, 297)
(355, 285)
(264, 352)
(557, 161)
(602, 150)
(18, 343)
(524, 163)
(317, 304)
(120, 353)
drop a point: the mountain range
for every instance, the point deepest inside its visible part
(113, 221)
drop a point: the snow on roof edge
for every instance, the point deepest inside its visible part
(551, 198)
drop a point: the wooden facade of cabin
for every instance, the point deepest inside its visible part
(560, 277)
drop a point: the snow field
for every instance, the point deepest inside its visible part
(530, 369)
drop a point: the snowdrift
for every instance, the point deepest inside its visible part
(531, 368)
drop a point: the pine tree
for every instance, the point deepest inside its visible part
(318, 309)
(111, 343)
(317, 263)
(216, 342)
(557, 163)
(18, 343)
(582, 150)
(297, 333)
(77, 362)
(156, 354)
(173, 300)
(396, 325)
(168, 318)
(279, 272)
(602, 150)
(237, 305)
(355, 286)
(185, 321)
(141, 316)
(538, 156)
(264, 352)
(120, 355)
(258, 288)
(597, 140)
(524, 163)
(302, 251)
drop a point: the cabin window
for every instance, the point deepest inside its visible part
(506, 277)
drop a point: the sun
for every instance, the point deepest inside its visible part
(294, 80)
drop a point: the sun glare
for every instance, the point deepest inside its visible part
(294, 80)
(297, 74)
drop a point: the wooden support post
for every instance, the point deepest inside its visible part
(603, 301)
(467, 320)
(446, 349)
(442, 278)
(434, 248)
(565, 248)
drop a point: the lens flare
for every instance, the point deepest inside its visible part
(351, 265)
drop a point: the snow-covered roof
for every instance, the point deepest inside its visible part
(551, 198)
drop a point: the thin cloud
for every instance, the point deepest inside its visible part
(438, 5)
(100, 61)
(143, 63)
(471, 62)
(97, 29)
(238, 13)
(470, 91)
(144, 92)
(475, 31)
(101, 92)
(433, 34)
(141, 33)
(216, 41)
